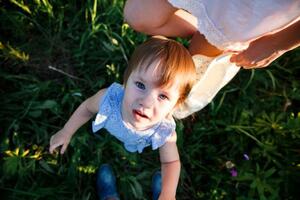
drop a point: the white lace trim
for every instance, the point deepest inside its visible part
(205, 25)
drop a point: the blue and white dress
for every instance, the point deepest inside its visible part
(109, 117)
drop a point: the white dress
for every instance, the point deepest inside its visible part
(232, 24)
(229, 25)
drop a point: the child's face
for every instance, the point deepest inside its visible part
(145, 103)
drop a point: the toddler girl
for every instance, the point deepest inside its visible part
(159, 76)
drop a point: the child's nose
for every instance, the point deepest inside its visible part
(147, 101)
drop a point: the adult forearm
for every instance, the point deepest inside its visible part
(288, 38)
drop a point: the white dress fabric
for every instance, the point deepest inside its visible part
(233, 24)
(212, 75)
(229, 25)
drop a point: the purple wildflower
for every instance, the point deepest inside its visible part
(233, 172)
(246, 156)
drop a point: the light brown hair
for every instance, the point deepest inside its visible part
(175, 63)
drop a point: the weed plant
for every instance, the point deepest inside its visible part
(54, 54)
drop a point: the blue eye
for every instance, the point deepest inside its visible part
(163, 97)
(140, 85)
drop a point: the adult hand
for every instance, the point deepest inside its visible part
(264, 50)
(260, 53)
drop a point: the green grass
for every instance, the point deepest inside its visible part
(55, 54)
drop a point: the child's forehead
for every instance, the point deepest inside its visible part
(156, 78)
(150, 68)
(152, 64)
(148, 75)
(154, 71)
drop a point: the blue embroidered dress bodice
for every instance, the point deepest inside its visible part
(109, 117)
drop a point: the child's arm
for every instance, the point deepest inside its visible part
(82, 114)
(170, 168)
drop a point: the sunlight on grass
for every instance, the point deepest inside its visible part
(45, 4)
(20, 3)
(113, 71)
(114, 41)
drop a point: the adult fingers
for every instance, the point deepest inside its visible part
(234, 58)
(241, 61)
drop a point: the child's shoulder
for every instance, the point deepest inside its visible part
(110, 96)
(115, 87)
(112, 89)
(115, 91)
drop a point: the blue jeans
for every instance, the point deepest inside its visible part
(107, 188)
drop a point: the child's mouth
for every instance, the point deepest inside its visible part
(140, 114)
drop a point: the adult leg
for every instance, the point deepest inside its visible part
(159, 17)
(199, 45)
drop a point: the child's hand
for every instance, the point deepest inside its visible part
(61, 138)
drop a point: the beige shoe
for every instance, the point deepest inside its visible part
(213, 73)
